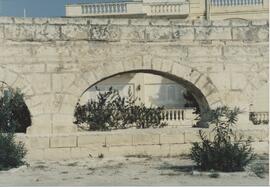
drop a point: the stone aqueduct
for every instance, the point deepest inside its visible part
(54, 60)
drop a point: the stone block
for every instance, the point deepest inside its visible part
(23, 20)
(105, 33)
(202, 23)
(239, 22)
(1, 32)
(213, 33)
(204, 51)
(179, 22)
(91, 140)
(143, 22)
(158, 33)
(251, 33)
(75, 32)
(63, 119)
(119, 139)
(77, 21)
(238, 81)
(19, 32)
(58, 21)
(183, 33)
(145, 139)
(40, 21)
(6, 20)
(192, 136)
(172, 138)
(132, 33)
(243, 51)
(41, 83)
(37, 142)
(119, 21)
(180, 149)
(57, 129)
(160, 22)
(62, 81)
(99, 21)
(259, 22)
(222, 23)
(63, 141)
(47, 32)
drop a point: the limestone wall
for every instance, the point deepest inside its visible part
(54, 60)
(158, 142)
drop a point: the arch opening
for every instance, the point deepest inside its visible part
(153, 88)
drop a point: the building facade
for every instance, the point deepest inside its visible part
(185, 9)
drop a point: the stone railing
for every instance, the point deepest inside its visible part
(179, 117)
(168, 9)
(106, 8)
(236, 2)
(259, 118)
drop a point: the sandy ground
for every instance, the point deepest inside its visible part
(126, 171)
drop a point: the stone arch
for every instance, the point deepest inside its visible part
(206, 92)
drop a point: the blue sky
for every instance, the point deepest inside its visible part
(39, 8)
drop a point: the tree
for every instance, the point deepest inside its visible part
(226, 152)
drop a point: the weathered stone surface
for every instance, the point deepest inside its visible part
(104, 33)
(212, 33)
(145, 139)
(119, 139)
(63, 141)
(158, 33)
(172, 138)
(89, 140)
(75, 32)
(251, 34)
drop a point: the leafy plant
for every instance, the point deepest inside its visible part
(14, 114)
(11, 153)
(226, 152)
(111, 111)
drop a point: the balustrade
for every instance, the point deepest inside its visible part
(259, 117)
(165, 8)
(174, 116)
(107, 8)
(236, 2)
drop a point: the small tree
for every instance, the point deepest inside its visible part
(111, 111)
(11, 152)
(14, 114)
(226, 152)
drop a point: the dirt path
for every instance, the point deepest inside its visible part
(123, 171)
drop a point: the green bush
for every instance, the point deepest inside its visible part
(14, 114)
(111, 111)
(11, 153)
(226, 152)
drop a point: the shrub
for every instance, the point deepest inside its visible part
(226, 152)
(111, 111)
(14, 114)
(11, 153)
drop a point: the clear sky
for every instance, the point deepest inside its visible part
(39, 8)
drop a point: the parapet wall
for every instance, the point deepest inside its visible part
(153, 142)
